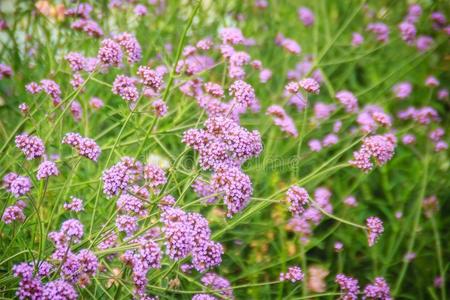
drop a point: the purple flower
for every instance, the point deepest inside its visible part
(52, 89)
(216, 282)
(30, 145)
(20, 186)
(159, 107)
(125, 87)
(33, 88)
(424, 43)
(351, 201)
(96, 103)
(127, 224)
(374, 229)
(306, 16)
(177, 233)
(116, 179)
(110, 53)
(439, 20)
(349, 287)
(380, 30)
(207, 255)
(357, 39)
(414, 13)
(75, 205)
(150, 78)
(46, 169)
(131, 205)
(323, 111)
(203, 297)
(442, 94)
(402, 90)
(315, 145)
(73, 229)
(440, 146)
(85, 146)
(298, 198)
(431, 81)
(408, 139)
(310, 85)
(235, 186)
(265, 75)
(330, 139)
(59, 289)
(379, 289)
(13, 213)
(76, 61)
(347, 99)
(243, 93)
(293, 274)
(231, 35)
(140, 10)
(291, 46)
(378, 147)
(154, 175)
(282, 119)
(408, 32)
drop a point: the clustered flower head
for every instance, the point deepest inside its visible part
(14, 213)
(306, 16)
(374, 229)
(349, 100)
(16, 184)
(110, 53)
(349, 287)
(293, 274)
(282, 119)
(46, 169)
(216, 282)
(85, 146)
(131, 46)
(380, 30)
(189, 233)
(224, 146)
(408, 32)
(402, 90)
(298, 198)
(125, 87)
(379, 289)
(150, 78)
(377, 148)
(76, 204)
(424, 115)
(289, 45)
(312, 216)
(310, 85)
(31, 145)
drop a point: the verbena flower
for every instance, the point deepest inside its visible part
(298, 199)
(85, 146)
(46, 169)
(31, 145)
(374, 229)
(349, 287)
(293, 274)
(379, 289)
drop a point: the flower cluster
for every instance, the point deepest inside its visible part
(189, 233)
(349, 286)
(31, 145)
(85, 146)
(379, 148)
(293, 274)
(374, 229)
(282, 119)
